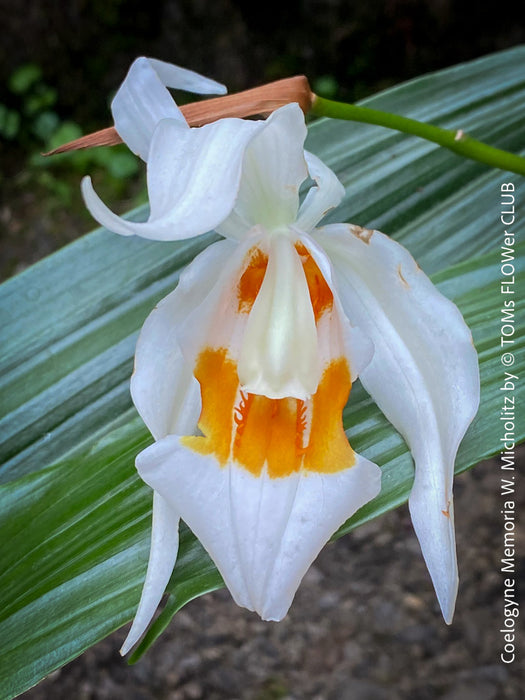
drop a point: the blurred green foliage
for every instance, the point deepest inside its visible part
(29, 116)
(32, 121)
(326, 86)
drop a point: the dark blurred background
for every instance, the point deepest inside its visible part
(84, 47)
(60, 62)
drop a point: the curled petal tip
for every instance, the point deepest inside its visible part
(101, 213)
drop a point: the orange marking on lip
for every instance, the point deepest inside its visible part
(255, 431)
(320, 293)
(328, 449)
(217, 374)
(251, 279)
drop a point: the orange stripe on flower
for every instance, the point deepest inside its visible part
(252, 278)
(320, 293)
(285, 435)
(217, 374)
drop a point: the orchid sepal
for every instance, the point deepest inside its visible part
(424, 376)
(163, 555)
(142, 100)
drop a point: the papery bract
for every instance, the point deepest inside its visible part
(242, 372)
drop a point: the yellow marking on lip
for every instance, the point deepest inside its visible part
(255, 431)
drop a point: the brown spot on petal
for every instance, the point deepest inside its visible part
(364, 234)
(400, 275)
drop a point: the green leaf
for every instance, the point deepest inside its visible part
(74, 517)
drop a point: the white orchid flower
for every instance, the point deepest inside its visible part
(242, 372)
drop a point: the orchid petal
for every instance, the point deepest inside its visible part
(195, 174)
(234, 226)
(269, 189)
(184, 79)
(193, 180)
(143, 100)
(162, 557)
(424, 376)
(320, 199)
(164, 390)
(262, 533)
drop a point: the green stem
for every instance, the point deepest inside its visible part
(456, 141)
